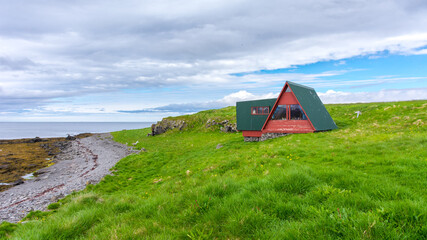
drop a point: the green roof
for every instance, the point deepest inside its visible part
(313, 107)
(247, 121)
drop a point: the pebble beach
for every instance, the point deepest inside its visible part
(83, 161)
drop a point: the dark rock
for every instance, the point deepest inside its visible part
(226, 126)
(40, 172)
(62, 145)
(18, 182)
(70, 138)
(92, 182)
(210, 123)
(4, 167)
(35, 140)
(44, 145)
(165, 125)
(229, 128)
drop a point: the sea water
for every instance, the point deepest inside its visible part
(17, 130)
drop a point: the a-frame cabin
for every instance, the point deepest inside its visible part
(298, 109)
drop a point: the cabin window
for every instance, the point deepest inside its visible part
(266, 110)
(289, 112)
(296, 112)
(288, 89)
(260, 110)
(280, 113)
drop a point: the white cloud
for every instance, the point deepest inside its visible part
(388, 95)
(55, 49)
(231, 99)
(331, 96)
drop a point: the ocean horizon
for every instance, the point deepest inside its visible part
(18, 130)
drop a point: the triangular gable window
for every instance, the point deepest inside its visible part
(288, 89)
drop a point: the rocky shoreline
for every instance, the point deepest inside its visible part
(83, 161)
(20, 158)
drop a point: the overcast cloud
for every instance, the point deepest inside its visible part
(56, 50)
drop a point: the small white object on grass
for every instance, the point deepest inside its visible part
(135, 143)
(358, 113)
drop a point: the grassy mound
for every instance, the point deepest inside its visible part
(365, 180)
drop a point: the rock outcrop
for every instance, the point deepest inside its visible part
(165, 125)
(35, 140)
(226, 126)
(168, 124)
(70, 138)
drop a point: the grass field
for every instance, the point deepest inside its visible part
(365, 180)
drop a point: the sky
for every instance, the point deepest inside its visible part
(136, 60)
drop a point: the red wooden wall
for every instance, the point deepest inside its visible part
(288, 126)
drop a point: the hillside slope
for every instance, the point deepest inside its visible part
(365, 180)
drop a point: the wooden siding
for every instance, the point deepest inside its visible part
(251, 133)
(288, 126)
(287, 98)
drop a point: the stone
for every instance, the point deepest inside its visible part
(226, 126)
(157, 180)
(91, 182)
(265, 136)
(229, 128)
(251, 139)
(4, 166)
(57, 197)
(167, 124)
(18, 182)
(70, 138)
(210, 123)
(36, 139)
(41, 172)
(419, 122)
(219, 146)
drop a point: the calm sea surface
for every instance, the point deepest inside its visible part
(16, 130)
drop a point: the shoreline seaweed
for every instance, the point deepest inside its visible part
(21, 157)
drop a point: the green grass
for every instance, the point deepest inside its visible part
(366, 180)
